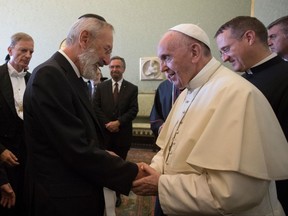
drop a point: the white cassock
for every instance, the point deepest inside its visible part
(221, 149)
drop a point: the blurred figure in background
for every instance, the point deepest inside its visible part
(278, 37)
(13, 79)
(116, 106)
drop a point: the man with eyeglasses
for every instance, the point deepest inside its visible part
(242, 41)
(67, 166)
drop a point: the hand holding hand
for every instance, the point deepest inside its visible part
(9, 158)
(141, 171)
(147, 186)
(8, 197)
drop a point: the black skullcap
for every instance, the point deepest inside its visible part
(93, 16)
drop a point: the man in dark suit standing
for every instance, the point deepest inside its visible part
(116, 106)
(67, 168)
(13, 79)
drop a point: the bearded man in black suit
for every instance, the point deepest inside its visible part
(67, 168)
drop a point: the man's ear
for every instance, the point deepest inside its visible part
(195, 50)
(9, 49)
(250, 36)
(84, 39)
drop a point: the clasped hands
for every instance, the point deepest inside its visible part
(146, 182)
(113, 126)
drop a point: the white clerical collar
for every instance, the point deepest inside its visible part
(272, 55)
(204, 74)
(71, 62)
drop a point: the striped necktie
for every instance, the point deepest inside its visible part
(116, 93)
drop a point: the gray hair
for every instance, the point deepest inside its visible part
(92, 25)
(119, 58)
(15, 38)
(283, 22)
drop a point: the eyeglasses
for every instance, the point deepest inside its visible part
(226, 50)
(108, 50)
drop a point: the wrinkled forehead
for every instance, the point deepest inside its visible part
(25, 43)
(105, 36)
(275, 29)
(224, 37)
(24, 40)
(170, 40)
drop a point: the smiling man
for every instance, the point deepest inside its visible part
(116, 106)
(67, 168)
(221, 141)
(242, 41)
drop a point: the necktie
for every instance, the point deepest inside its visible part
(89, 85)
(18, 74)
(115, 93)
(85, 86)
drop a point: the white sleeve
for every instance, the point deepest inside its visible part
(157, 162)
(211, 193)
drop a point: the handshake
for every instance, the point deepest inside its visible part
(146, 182)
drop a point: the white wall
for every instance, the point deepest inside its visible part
(269, 10)
(139, 24)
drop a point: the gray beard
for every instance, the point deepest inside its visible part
(89, 72)
(87, 61)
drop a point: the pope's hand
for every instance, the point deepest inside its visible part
(147, 186)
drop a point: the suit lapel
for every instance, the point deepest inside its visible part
(76, 83)
(109, 88)
(122, 90)
(6, 88)
(27, 76)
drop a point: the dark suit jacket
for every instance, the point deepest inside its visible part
(271, 78)
(11, 134)
(67, 169)
(125, 111)
(165, 96)
(162, 106)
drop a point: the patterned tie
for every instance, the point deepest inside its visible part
(115, 93)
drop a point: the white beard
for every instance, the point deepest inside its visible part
(88, 64)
